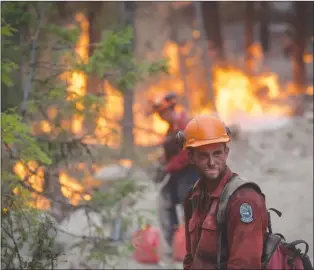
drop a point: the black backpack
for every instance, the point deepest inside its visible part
(273, 240)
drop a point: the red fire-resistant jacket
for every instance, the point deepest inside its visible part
(244, 242)
(180, 160)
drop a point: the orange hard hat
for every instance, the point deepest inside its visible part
(162, 103)
(205, 129)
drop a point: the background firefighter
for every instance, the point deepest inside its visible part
(174, 162)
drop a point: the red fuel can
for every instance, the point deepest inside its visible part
(179, 249)
(146, 244)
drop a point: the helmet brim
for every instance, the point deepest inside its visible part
(198, 143)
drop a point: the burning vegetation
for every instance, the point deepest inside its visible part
(71, 188)
(236, 93)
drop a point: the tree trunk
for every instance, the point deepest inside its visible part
(204, 46)
(299, 44)
(94, 84)
(212, 27)
(128, 116)
(264, 26)
(173, 22)
(249, 35)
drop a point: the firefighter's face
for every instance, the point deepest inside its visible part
(167, 115)
(210, 159)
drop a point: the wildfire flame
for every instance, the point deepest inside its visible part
(236, 92)
(35, 179)
(78, 80)
(33, 176)
(72, 189)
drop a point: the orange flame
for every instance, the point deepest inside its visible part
(35, 175)
(237, 93)
(70, 187)
(78, 80)
(45, 126)
(127, 163)
(308, 58)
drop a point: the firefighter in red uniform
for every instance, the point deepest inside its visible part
(205, 138)
(176, 163)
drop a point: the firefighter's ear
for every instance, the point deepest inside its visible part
(226, 149)
(180, 139)
(190, 155)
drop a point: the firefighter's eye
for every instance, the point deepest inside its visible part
(203, 155)
(217, 153)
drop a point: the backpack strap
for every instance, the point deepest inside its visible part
(231, 187)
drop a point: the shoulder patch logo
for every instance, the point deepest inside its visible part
(246, 213)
